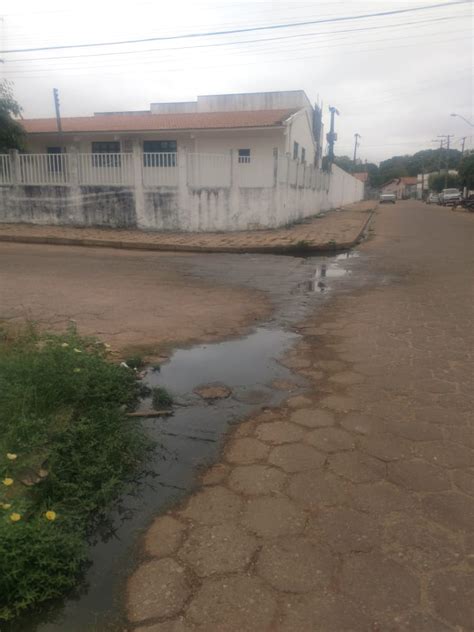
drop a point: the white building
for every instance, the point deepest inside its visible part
(252, 125)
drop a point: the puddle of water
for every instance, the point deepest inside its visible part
(188, 440)
(325, 270)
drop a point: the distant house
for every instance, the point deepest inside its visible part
(253, 125)
(404, 187)
(363, 176)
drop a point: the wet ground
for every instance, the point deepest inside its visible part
(193, 437)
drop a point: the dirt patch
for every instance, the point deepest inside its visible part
(136, 302)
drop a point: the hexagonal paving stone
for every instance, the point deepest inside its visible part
(379, 583)
(464, 480)
(322, 613)
(418, 476)
(220, 548)
(296, 457)
(330, 439)
(451, 509)
(279, 432)
(356, 467)
(330, 365)
(215, 474)
(347, 378)
(156, 589)
(296, 565)
(298, 401)
(345, 530)
(164, 536)
(246, 450)
(175, 625)
(273, 516)
(446, 454)
(213, 505)
(452, 595)
(339, 403)
(381, 498)
(410, 622)
(312, 489)
(420, 543)
(312, 417)
(233, 604)
(361, 423)
(386, 447)
(255, 480)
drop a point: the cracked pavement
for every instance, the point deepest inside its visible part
(350, 507)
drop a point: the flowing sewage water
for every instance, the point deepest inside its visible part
(186, 442)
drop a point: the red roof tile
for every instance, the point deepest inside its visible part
(363, 176)
(156, 122)
(409, 180)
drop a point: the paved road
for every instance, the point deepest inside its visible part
(350, 508)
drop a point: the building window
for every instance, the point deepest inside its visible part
(159, 153)
(54, 160)
(296, 149)
(244, 156)
(106, 147)
(303, 154)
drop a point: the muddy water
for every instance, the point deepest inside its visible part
(191, 438)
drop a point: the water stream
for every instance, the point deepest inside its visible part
(186, 442)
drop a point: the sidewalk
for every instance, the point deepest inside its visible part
(335, 230)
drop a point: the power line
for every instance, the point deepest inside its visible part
(242, 30)
(214, 44)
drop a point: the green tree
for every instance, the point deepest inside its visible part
(12, 134)
(344, 162)
(466, 171)
(438, 182)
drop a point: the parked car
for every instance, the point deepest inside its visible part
(385, 198)
(450, 196)
(433, 198)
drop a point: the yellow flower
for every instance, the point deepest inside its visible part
(11, 456)
(64, 344)
(77, 370)
(6, 505)
(77, 350)
(50, 515)
(7, 481)
(14, 517)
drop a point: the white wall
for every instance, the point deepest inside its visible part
(299, 129)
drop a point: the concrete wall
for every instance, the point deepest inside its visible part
(182, 208)
(299, 129)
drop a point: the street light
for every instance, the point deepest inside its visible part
(464, 119)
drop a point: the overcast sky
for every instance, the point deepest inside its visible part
(395, 79)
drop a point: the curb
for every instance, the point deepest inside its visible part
(150, 246)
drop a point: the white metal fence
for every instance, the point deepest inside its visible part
(159, 170)
(105, 169)
(44, 168)
(5, 170)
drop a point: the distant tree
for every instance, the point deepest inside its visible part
(427, 160)
(12, 135)
(438, 182)
(466, 171)
(344, 162)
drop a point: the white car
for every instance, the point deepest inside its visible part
(450, 196)
(385, 198)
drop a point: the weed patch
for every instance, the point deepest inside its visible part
(67, 449)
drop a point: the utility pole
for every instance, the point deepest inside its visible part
(58, 118)
(356, 144)
(462, 145)
(447, 136)
(331, 136)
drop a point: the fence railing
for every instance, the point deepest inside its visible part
(160, 170)
(43, 169)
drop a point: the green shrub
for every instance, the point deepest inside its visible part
(69, 448)
(161, 398)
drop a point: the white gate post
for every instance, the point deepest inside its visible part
(139, 193)
(15, 168)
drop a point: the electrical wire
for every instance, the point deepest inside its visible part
(242, 30)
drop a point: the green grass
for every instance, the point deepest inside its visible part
(69, 447)
(161, 398)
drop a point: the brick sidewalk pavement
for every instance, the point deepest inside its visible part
(351, 507)
(339, 229)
